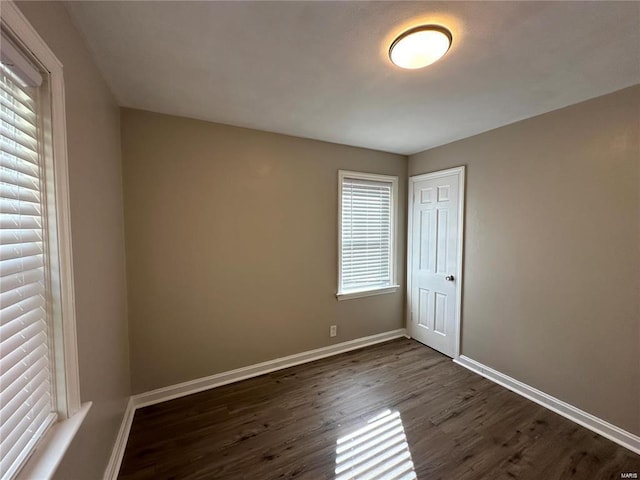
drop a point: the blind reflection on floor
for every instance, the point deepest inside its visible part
(377, 451)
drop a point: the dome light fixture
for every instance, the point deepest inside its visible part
(420, 46)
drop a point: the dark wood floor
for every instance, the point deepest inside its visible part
(317, 421)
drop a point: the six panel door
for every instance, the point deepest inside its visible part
(434, 262)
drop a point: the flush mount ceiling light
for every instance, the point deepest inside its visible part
(420, 46)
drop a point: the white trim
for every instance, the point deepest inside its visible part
(342, 174)
(172, 392)
(593, 423)
(28, 35)
(117, 454)
(459, 273)
(367, 293)
(48, 454)
(194, 386)
(65, 256)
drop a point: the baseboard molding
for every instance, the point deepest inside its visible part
(206, 383)
(194, 386)
(117, 454)
(593, 423)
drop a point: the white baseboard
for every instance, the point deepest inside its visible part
(198, 385)
(219, 379)
(117, 454)
(593, 423)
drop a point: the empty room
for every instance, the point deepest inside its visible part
(319, 240)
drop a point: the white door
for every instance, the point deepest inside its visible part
(435, 258)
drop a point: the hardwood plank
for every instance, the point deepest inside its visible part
(286, 425)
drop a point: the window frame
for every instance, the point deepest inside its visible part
(393, 254)
(49, 450)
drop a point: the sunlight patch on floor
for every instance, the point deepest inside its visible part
(376, 451)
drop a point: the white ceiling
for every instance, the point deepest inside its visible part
(320, 69)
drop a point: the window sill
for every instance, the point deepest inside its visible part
(366, 293)
(49, 452)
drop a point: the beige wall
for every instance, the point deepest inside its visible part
(552, 252)
(232, 247)
(98, 241)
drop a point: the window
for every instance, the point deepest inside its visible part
(27, 407)
(366, 234)
(38, 367)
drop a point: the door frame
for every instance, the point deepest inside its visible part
(460, 254)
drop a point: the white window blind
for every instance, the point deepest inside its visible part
(26, 400)
(366, 229)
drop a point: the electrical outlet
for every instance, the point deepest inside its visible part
(333, 330)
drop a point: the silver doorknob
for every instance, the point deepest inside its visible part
(449, 278)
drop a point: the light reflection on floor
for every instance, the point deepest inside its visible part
(379, 451)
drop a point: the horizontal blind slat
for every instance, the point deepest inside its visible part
(10, 117)
(374, 239)
(364, 261)
(18, 342)
(14, 312)
(12, 384)
(366, 280)
(16, 405)
(22, 235)
(22, 292)
(20, 250)
(18, 172)
(365, 273)
(19, 208)
(12, 446)
(365, 284)
(16, 221)
(12, 152)
(10, 282)
(17, 99)
(9, 329)
(22, 404)
(361, 250)
(11, 267)
(350, 273)
(365, 258)
(36, 430)
(7, 105)
(19, 193)
(9, 361)
(366, 197)
(13, 134)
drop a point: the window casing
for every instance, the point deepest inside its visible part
(366, 234)
(39, 388)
